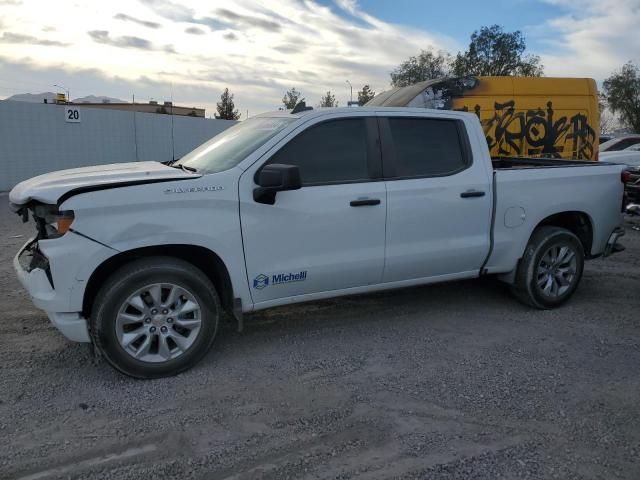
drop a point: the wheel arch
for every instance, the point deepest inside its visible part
(202, 258)
(577, 222)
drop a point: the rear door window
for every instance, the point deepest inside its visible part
(425, 147)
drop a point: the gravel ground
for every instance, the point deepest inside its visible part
(440, 382)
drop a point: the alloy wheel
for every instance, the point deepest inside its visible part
(158, 322)
(556, 270)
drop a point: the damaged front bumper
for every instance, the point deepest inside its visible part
(55, 273)
(34, 273)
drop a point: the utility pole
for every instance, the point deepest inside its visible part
(173, 140)
(351, 87)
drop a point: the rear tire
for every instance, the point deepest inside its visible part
(155, 317)
(550, 269)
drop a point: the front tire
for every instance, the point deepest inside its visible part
(155, 317)
(550, 269)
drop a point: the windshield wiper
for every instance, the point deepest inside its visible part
(185, 168)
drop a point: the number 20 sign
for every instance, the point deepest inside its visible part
(72, 114)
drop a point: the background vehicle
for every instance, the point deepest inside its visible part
(520, 116)
(142, 259)
(619, 143)
(630, 157)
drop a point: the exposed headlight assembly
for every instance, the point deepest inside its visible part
(50, 222)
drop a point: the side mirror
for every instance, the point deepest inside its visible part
(276, 178)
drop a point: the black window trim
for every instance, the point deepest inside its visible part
(389, 155)
(624, 144)
(374, 154)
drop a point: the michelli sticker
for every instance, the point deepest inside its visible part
(214, 188)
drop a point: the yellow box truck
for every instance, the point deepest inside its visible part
(520, 116)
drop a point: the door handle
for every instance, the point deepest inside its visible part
(472, 193)
(364, 202)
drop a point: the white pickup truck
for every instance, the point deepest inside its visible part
(142, 259)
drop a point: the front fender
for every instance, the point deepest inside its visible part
(202, 212)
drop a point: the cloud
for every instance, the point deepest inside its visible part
(129, 18)
(170, 10)
(213, 23)
(18, 38)
(287, 49)
(592, 39)
(127, 41)
(249, 21)
(181, 13)
(223, 17)
(86, 81)
(348, 5)
(102, 36)
(257, 49)
(194, 31)
(263, 59)
(260, 49)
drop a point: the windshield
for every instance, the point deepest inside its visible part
(228, 148)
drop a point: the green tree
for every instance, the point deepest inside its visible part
(494, 52)
(622, 92)
(427, 65)
(365, 95)
(328, 100)
(226, 108)
(292, 98)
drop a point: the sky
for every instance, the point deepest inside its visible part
(191, 50)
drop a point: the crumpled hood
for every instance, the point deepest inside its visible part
(48, 188)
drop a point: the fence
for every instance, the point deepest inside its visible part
(39, 138)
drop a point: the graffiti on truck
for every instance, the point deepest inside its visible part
(510, 131)
(536, 132)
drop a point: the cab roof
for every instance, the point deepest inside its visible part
(321, 111)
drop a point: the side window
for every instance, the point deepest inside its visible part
(330, 152)
(426, 147)
(624, 144)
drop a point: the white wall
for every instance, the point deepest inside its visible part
(36, 138)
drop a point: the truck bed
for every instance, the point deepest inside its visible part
(510, 163)
(529, 190)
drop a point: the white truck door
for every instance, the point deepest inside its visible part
(328, 235)
(439, 198)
